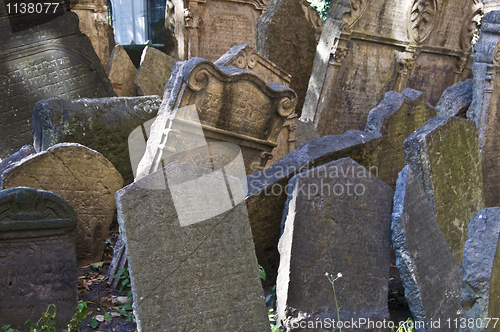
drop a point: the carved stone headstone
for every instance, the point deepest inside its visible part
(121, 72)
(154, 72)
(267, 188)
(485, 103)
(396, 117)
(52, 59)
(285, 36)
(336, 220)
(491, 5)
(102, 124)
(455, 100)
(85, 179)
(37, 257)
(368, 48)
(202, 276)
(481, 268)
(431, 276)
(17, 156)
(444, 156)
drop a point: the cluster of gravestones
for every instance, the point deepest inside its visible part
(215, 185)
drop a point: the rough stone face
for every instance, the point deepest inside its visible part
(203, 276)
(481, 268)
(368, 48)
(444, 157)
(336, 220)
(306, 131)
(456, 99)
(121, 72)
(491, 5)
(154, 72)
(37, 257)
(484, 107)
(85, 179)
(101, 124)
(396, 117)
(431, 276)
(267, 188)
(17, 156)
(284, 35)
(46, 60)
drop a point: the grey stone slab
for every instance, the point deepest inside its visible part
(200, 276)
(336, 220)
(154, 72)
(481, 268)
(444, 156)
(23, 152)
(455, 100)
(37, 257)
(430, 274)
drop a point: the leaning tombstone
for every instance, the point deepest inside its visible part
(121, 72)
(102, 124)
(456, 100)
(444, 156)
(336, 221)
(480, 287)
(46, 60)
(368, 48)
(86, 179)
(396, 117)
(154, 72)
(430, 274)
(204, 273)
(23, 152)
(37, 257)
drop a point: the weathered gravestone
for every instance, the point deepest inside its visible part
(431, 276)
(85, 179)
(232, 105)
(485, 103)
(456, 99)
(17, 156)
(202, 275)
(491, 5)
(396, 117)
(481, 269)
(37, 257)
(154, 72)
(444, 157)
(52, 59)
(336, 220)
(121, 72)
(101, 124)
(368, 48)
(284, 35)
(267, 188)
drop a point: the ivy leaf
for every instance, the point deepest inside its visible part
(93, 323)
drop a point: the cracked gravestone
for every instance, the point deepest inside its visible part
(444, 156)
(37, 257)
(121, 72)
(199, 275)
(154, 72)
(431, 276)
(336, 220)
(83, 177)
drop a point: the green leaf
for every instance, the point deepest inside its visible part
(96, 266)
(121, 311)
(262, 273)
(127, 306)
(108, 241)
(129, 294)
(93, 323)
(119, 273)
(81, 311)
(107, 316)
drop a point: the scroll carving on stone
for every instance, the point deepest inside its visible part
(422, 19)
(355, 12)
(470, 29)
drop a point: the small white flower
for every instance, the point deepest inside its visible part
(339, 275)
(326, 274)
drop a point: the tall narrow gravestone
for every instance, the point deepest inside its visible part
(336, 220)
(85, 179)
(37, 257)
(431, 276)
(198, 275)
(368, 48)
(444, 156)
(51, 59)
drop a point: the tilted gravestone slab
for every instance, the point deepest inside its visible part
(23, 152)
(154, 72)
(431, 276)
(200, 276)
(368, 48)
(444, 156)
(121, 72)
(336, 220)
(484, 107)
(455, 100)
(85, 179)
(102, 124)
(396, 117)
(52, 59)
(481, 268)
(37, 257)
(267, 188)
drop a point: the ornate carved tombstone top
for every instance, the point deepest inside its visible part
(52, 59)
(37, 256)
